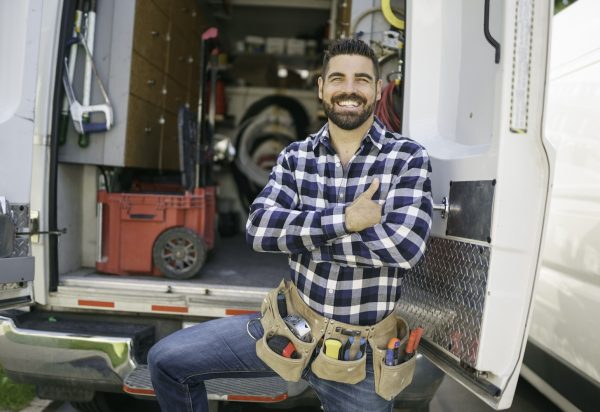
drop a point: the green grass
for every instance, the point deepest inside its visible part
(13, 396)
(560, 5)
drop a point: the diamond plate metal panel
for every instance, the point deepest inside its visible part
(445, 293)
(21, 247)
(267, 387)
(20, 215)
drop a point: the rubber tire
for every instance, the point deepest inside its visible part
(178, 234)
(112, 402)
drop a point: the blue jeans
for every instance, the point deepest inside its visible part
(221, 348)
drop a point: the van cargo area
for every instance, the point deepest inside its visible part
(157, 58)
(135, 135)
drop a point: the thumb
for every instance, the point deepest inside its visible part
(372, 188)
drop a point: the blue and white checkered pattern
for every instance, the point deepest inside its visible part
(351, 277)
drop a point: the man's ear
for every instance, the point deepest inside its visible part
(378, 87)
(320, 84)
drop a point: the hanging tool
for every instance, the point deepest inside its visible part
(77, 110)
(90, 31)
(64, 114)
(206, 126)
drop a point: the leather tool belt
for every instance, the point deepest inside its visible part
(390, 380)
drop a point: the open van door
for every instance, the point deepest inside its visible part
(474, 97)
(24, 87)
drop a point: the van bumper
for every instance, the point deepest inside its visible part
(59, 359)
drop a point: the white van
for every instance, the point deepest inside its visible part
(473, 94)
(562, 358)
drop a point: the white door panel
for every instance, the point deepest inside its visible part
(20, 30)
(481, 122)
(20, 26)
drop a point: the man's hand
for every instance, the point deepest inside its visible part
(364, 212)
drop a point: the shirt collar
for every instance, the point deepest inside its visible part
(376, 134)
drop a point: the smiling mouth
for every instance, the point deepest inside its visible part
(348, 101)
(348, 104)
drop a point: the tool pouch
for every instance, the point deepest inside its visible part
(288, 368)
(343, 371)
(391, 380)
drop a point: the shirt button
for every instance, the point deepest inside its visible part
(341, 195)
(338, 164)
(330, 290)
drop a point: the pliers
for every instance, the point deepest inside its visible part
(348, 346)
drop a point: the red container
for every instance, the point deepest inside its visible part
(132, 224)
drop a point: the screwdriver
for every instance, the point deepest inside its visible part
(391, 354)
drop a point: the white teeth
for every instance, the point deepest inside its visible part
(348, 103)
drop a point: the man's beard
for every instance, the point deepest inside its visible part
(348, 121)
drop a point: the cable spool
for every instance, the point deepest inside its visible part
(268, 126)
(259, 145)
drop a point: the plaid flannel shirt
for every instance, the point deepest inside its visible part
(350, 277)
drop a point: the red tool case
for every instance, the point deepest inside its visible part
(156, 234)
(167, 234)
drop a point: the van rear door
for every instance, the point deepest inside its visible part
(26, 74)
(474, 97)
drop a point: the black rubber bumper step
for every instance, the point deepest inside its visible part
(272, 389)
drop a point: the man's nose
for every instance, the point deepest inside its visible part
(349, 86)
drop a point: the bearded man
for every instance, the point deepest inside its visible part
(351, 206)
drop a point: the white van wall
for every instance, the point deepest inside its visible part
(565, 321)
(450, 95)
(451, 67)
(18, 40)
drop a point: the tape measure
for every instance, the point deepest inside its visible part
(332, 348)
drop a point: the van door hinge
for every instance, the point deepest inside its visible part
(443, 208)
(34, 228)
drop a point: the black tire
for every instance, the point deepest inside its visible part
(179, 253)
(115, 402)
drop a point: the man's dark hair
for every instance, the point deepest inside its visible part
(350, 46)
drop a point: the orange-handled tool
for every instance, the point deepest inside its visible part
(391, 354)
(413, 342)
(419, 332)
